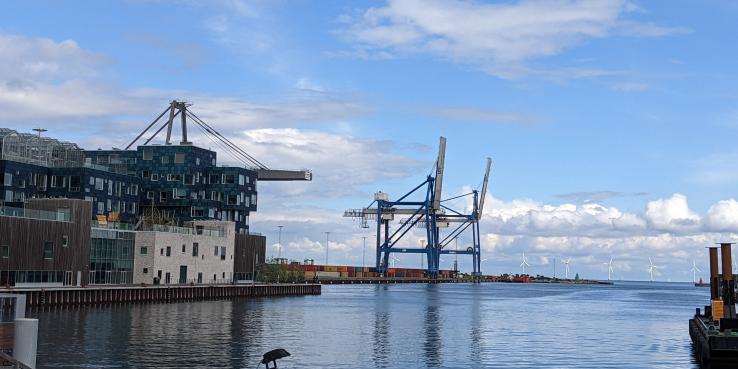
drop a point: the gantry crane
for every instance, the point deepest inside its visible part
(427, 212)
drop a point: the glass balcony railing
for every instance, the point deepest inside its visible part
(34, 214)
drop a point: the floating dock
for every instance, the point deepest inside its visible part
(126, 294)
(714, 334)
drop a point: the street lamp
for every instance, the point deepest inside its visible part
(279, 245)
(363, 254)
(327, 241)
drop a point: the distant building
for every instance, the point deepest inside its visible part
(201, 253)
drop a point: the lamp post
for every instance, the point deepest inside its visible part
(363, 254)
(279, 245)
(327, 241)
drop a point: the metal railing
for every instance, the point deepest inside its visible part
(183, 230)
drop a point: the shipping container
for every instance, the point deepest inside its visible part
(328, 275)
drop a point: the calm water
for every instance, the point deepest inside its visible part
(628, 325)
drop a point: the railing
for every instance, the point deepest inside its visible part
(183, 230)
(113, 225)
(33, 214)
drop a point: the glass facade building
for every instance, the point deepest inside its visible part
(111, 256)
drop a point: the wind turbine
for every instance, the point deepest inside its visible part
(651, 268)
(524, 265)
(610, 270)
(394, 258)
(566, 267)
(694, 271)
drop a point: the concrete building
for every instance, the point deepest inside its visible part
(201, 253)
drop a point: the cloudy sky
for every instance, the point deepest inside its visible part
(611, 123)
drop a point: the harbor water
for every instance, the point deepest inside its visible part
(491, 325)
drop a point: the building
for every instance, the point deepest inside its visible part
(202, 252)
(38, 167)
(111, 253)
(184, 183)
(45, 243)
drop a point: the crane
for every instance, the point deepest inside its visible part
(423, 207)
(180, 109)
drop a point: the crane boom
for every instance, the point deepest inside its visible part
(438, 186)
(484, 188)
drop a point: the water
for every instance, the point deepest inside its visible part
(628, 325)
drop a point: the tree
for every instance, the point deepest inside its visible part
(576, 277)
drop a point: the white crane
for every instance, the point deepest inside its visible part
(524, 265)
(694, 271)
(609, 269)
(651, 268)
(566, 267)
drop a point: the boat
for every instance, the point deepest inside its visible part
(701, 284)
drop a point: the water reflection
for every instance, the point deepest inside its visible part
(431, 327)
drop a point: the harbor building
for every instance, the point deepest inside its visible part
(45, 243)
(111, 253)
(201, 252)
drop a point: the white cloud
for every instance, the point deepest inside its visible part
(723, 216)
(672, 215)
(500, 38)
(472, 114)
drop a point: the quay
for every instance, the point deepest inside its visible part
(126, 294)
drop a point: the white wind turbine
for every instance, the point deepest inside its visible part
(609, 269)
(393, 258)
(651, 268)
(694, 271)
(566, 267)
(524, 265)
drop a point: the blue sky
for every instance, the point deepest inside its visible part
(611, 123)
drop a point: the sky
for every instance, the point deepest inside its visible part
(611, 123)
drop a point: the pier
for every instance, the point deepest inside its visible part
(126, 294)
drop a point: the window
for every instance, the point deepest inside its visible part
(189, 179)
(65, 241)
(197, 161)
(154, 176)
(223, 275)
(179, 193)
(222, 253)
(241, 179)
(146, 270)
(179, 158)
(195, 247)
(184, 249)
(214, 179)
(164, 159)
(144, 250)
(161, 252)
(8, 181)
(99, 184)
(232, 200)
(163, 196)
(48, 250)
(5, 251)
(150, 195)
(216, 250)
(229, 179)
(148, 154)
(169, 251)
(174, 177)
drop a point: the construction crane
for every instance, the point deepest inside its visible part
(430, 213)
(180, 109)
